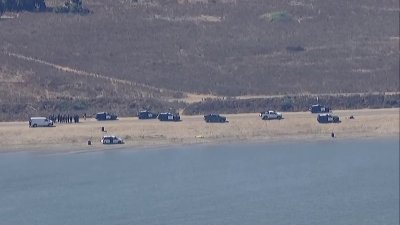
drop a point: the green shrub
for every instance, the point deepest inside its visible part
(72, 6)
(1, 8)
(287, 104)
(61, 9)
(281, 16)
(80, 105)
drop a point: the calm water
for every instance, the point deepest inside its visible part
(332, 182)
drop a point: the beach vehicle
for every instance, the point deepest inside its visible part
(111, 139)
(105, 116)
(317, 108)
(145, 114)
(214, 118)
(167, 116)
(328, 118)
(40, 122)
(271, 115)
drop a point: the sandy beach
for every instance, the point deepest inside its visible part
(367, 123)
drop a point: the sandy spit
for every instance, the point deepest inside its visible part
(296, 126)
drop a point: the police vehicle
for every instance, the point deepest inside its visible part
(105, 116)
(328, 118)
(111, 139)
(317, 108)
(145, 114)
(167, 116)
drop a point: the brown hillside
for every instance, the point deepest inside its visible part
(129, 54)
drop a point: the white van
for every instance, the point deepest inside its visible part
(40, 122)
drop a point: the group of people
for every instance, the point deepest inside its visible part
(64, 118)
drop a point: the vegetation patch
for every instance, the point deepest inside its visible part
(281, 16)
(296, 48)
(72, 6)
(20, 5)
(201, 18)
(292, 103)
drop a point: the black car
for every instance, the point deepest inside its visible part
(145, 114)
(328, 118)
(105, 116)
(169, 117)
(319, 109)
(214, 118)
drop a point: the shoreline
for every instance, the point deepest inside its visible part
(192, 130)
(80, 149)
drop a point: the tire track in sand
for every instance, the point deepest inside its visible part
(82, 72)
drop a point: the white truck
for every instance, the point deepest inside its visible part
(40, 122)
(271, 115)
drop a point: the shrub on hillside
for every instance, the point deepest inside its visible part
(1, 7)
(20, 5)
(287, 104)
(72, 6)
(292, 103)
(281, 16)
(296, 48)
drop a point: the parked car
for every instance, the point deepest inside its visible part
(105, 116)
(214, 118)
(271, 115)
(111, 139)
(145, 114)
(40, 122)
(328, 118)
(319, 109)
(167, 116)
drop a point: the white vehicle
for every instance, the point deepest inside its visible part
(111, 139)
(40, 122)
(271, 115)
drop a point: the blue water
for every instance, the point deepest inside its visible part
(333, 182)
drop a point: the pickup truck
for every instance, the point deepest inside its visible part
(271, 115)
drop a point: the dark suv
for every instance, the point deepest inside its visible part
(214, 118)
(319, 109)
(105, 116)
(328, 118)
(145, 114)
(169, 117)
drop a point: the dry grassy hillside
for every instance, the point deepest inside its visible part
(128, 54)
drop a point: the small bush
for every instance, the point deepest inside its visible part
(281, 16)
(80, 105)
(287, 104)
(178, 95)
(297, 48)
(72, 6)
(2, 9)
(61, 9)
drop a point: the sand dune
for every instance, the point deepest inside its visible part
(193, 129)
